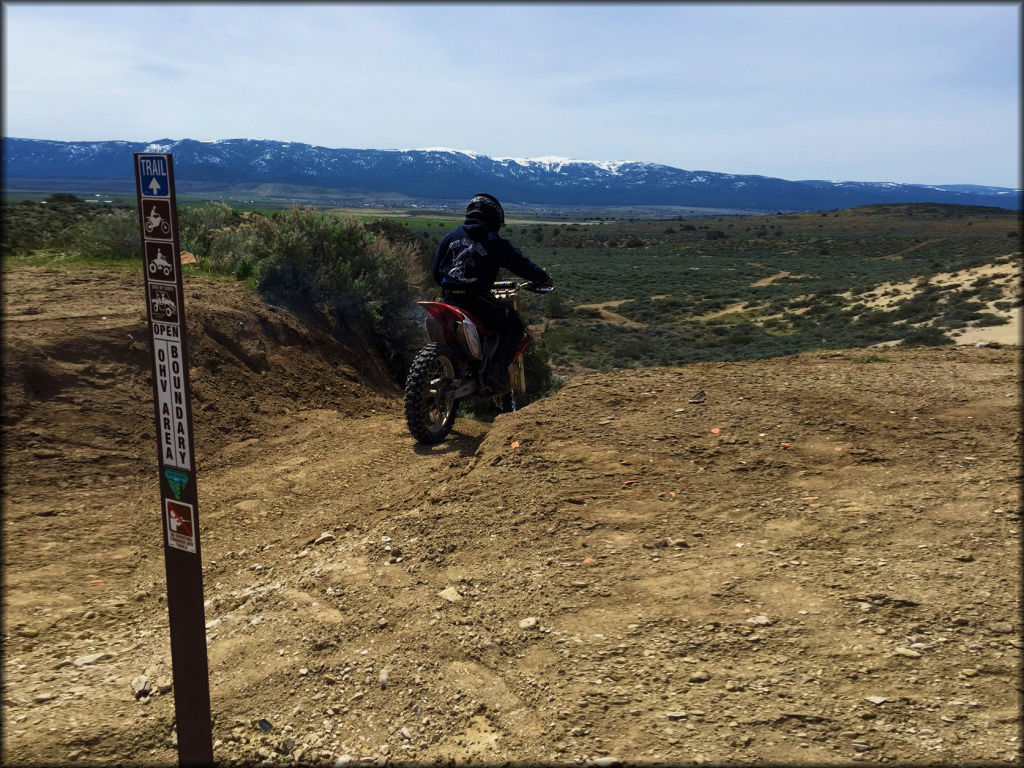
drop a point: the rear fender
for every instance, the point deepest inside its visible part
(451, 325)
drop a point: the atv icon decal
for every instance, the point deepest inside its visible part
(160, 261)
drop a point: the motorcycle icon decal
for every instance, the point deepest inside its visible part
(160, 261)
(163, 303)
(157, 218)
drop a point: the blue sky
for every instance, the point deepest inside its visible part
(917, 93)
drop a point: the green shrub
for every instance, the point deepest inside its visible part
(231, 249)
(113, 235)
(959, 314)
(986, 292)
(198, 227)
(987, 319)
(57, 224)
(539, 378)
(64, 197)
(243, 269)
(306, 258)
(423, 245)
(555, 306)
(926, 336)
(321, 262)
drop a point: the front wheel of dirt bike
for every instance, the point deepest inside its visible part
(429, 402)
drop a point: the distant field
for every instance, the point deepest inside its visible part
(357, 202)
(16, 196)
(749, 287)
(663, 289)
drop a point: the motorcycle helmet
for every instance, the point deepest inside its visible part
(486, 208)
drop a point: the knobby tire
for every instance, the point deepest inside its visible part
(427, 412)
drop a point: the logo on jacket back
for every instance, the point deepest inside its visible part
(461, 261)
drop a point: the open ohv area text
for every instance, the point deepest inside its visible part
(173, 415)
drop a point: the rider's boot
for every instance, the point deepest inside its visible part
(496, 376)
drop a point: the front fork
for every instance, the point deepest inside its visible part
(516, 369)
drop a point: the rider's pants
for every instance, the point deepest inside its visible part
(497, 317)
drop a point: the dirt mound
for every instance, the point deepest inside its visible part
(77, 367)
(809, 559)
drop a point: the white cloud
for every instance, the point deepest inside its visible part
(851, 89)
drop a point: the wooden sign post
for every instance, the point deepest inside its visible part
(179, 507)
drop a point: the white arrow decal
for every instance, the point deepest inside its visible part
(154, 186)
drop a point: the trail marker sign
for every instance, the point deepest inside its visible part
(179, 507)
(153, 175)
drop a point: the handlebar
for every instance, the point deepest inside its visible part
(513, 285)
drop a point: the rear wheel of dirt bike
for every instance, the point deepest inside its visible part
(429, 404)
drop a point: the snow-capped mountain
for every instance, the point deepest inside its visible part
(441, 174)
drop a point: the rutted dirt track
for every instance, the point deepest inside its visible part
(815, 561)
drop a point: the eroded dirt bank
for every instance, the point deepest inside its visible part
(815, 561)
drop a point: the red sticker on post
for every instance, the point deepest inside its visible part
(181, 528)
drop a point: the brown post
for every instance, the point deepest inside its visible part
(179, 507)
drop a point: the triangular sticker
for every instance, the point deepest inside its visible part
(177, 480)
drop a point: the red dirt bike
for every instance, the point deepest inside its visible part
(450, 368)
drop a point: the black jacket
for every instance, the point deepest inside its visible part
(470, 256)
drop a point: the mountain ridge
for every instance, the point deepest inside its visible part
(440, 173)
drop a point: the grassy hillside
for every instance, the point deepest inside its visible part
(632, 291)
(655, 292)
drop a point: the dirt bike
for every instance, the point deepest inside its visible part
(450, 368)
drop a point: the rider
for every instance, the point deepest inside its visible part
(465, 266)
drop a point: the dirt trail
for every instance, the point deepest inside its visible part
(776, 277)
(911, 249)
(816, 561)
(613, 317)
